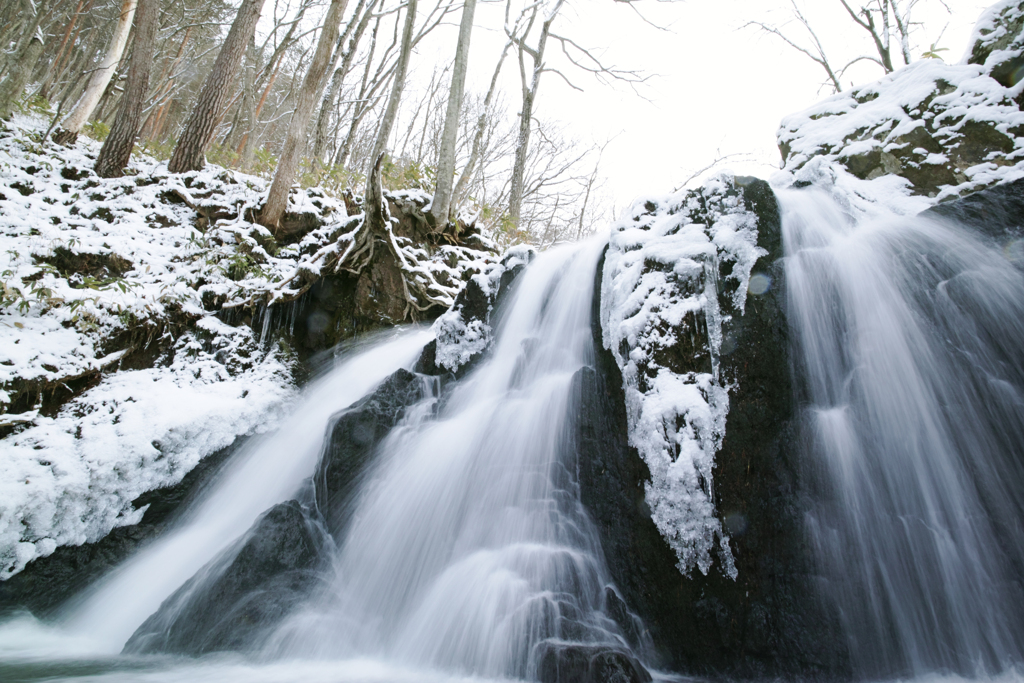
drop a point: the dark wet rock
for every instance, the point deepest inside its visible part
(239, 597)
(767, 622)
(465, 332)
(997, 213)
(559, 662)
(48, 582)
(354, 436)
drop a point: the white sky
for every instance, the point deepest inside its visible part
(715, 87)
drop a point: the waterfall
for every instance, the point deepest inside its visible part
(268, 470)
(469, 549)
(909, 353)
(466, 552)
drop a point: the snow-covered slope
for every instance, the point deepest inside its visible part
(117, 372)
(944, 129)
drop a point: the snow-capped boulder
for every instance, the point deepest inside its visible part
(948, 129)
(695, 378)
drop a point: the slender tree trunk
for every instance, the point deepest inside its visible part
(59, 59)
(117, 148)
(79, 116)
(515, 202)
(295, 142)
(374, 209)
(18, 75)
(478, 137)
(189, 153)
(440, 206)
(354, 35)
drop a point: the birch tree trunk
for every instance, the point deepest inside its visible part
(79, 116)
(189, 153)
(295, 142)
(117, 148)
(440, 205)
(478, 136)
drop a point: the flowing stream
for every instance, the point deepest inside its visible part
(909, 337)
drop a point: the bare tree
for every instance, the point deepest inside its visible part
(440, 208)
(189, 153)
(295, 142)
(529, 84)
(374, 202)
(885, 22)
(117, 148)
(79, 116)
(20, 71)
(481, 128)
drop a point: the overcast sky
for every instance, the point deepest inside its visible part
(715, 88)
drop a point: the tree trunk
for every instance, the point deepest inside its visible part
(354, 35)
(515, 202)
(59, 59)
(295, 142)
(374, 210)
(18, 75)
(386, 123)
(440, 206)
(117, 148)
(79, 116)
(189, 153)
(478, 137)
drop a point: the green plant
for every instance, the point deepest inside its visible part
(933, 52)
(97, 130)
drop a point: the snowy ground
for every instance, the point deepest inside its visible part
(116, 377)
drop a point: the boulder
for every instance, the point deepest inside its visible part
(560, 662)
(764, 621)
(235, 601)
(352, 442)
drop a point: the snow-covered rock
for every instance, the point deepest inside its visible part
(464, 332)
(947, 129)
(677, 269)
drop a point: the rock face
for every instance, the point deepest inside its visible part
(764, 620)
(240, 597)
(353, 440)
(997, 213)
(574, 663)
(234, 602)
(464, 332)
(948, 129)
(51, 580)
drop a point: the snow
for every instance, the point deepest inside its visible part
(93, 270)
(661, 287)
(461, 337)
(878, 116)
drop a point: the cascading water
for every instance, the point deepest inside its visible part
(469, 548)
(267, 471)
(909, 349)
(467, 551)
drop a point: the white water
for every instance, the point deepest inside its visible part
(910, 356)
(470, 547)
(269, 470)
